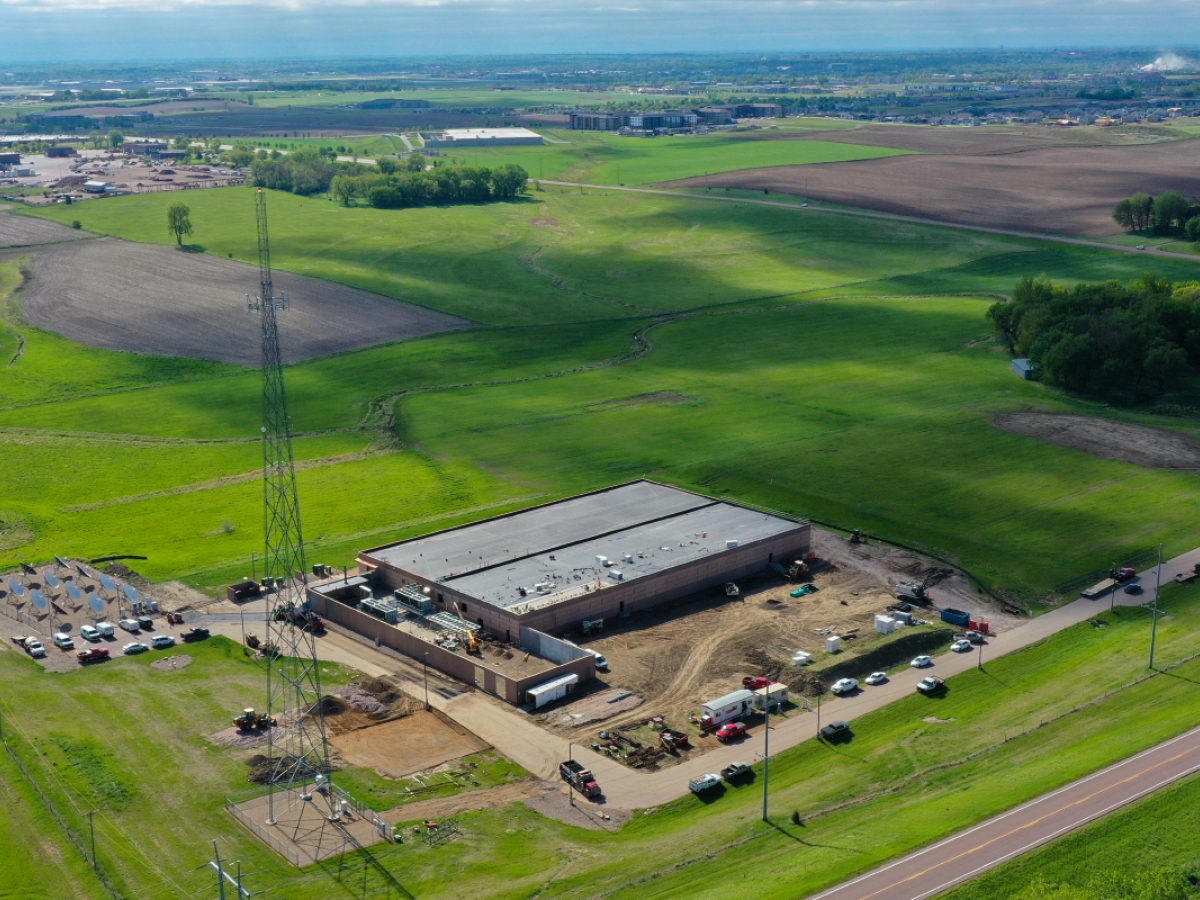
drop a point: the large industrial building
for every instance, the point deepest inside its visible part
(460, 138)
(596, 556)
(517, 580)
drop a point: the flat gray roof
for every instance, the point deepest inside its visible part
(550, 551)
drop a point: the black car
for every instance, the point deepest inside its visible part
(836, 731)
(145, 623)
(194, 634)
(735, 771)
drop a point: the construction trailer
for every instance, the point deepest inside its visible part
(732, 706)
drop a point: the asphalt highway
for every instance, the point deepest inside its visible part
(962, 856)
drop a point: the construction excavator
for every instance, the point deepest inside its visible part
(917, 592)
(468, 632)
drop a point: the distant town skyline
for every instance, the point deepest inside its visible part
(154, 30)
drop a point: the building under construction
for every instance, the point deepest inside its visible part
(520, 578)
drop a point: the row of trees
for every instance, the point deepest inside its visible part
(441, 185)
(1169, 213)
(1133, 341)
(303, 172)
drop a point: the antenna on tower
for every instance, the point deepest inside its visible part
(299, 753)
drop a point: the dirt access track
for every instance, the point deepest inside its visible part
(119, 295)
(1057, 190)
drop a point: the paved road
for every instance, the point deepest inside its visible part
(516, 735)
(964, 855)
(891, 217)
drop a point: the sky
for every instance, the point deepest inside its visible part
(142, 30)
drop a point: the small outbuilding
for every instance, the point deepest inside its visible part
(1025, 368)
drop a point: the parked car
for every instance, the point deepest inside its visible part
(922, 662)
(844, 686)
(162, 641)
(962, 645)
(1133, 588)
(34, 648)
(1124, 574)
(601, 662)
(877, 678)
(92, 654)
(930, 684)
(731, 731)
(134, 647)
(836, 731)
(703, 783)
(130, 625)
(145, 623)
(735, 771)
(198, 633)
(976, 637)
(89, 633)
(63, 641)
(106, 629)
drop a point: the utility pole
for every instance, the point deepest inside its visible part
(980, 664)
(223, 875)
(425, 672)
(1154, 614)
(92, 829)
(766, 752)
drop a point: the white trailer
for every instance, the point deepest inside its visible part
(717, 712)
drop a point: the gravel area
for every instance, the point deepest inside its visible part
(1154, 448)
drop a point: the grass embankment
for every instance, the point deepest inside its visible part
(127, 740)
(1156, 832)
(475, 772)
(794, 359)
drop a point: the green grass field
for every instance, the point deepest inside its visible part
(119, 737)
(784, 356)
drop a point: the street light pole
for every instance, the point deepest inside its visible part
(766, 751)
(571, 758)
(425, 673)
(1154, 619)
(980, 663)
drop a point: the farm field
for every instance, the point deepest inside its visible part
(913, 771)
(784, 357)
(1057, 190)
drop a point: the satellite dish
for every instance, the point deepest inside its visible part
(28, 569)
(107, 583)
(130, 593)
(38, 600)
(51, 580)
(74, 592)
(62, 562)
(18, 589)
(97, 605)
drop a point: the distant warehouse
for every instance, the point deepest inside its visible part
(595, 556)
(461, 138)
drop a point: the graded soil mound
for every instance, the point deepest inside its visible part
(1137, 444)
(403, 746)
(1060, 190)
(125, 296)
(26, 231)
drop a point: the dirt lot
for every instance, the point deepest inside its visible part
(125, 296)
(1137, 444)
(1061, 190)
(26, 231)
(699, 649)
(412, 744)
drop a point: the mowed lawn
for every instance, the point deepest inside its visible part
(822, 365)
(917, 770)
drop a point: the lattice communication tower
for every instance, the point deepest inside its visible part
(297, 749)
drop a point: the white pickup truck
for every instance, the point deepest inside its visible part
(703, 783)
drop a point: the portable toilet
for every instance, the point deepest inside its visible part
(833, 644)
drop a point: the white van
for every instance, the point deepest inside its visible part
(108, 629)
(601, 662)
(130, 625)
(63, 641)
(89, 633)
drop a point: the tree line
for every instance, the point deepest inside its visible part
(1130, 341)
(1169, 213)
(437, 186)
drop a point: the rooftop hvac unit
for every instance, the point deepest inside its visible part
(601, 560)
(731, 543)
(618, 576)
(628, 557)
